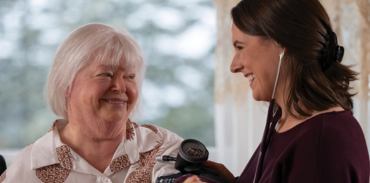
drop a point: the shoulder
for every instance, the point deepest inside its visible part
(23, 158)
(330, 146)
(334, 131)
(20, 170)
(342, 147)
(166, 143)
(147, 136)
(333, 135)
(24, 166)
(341, 129)
(332, 126)
(167, 137)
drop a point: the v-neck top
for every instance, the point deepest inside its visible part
(326, 148)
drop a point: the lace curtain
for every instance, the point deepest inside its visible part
(239, 120)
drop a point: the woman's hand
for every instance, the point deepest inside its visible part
(220, 168)
(193, 179)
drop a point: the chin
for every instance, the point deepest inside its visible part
(114, 116)
(115, 119)
(261, 98)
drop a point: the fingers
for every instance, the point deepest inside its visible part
(212, 164)
(221, 169)
(216, 166)
(193, 179)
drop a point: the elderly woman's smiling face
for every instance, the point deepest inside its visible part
(103, 93)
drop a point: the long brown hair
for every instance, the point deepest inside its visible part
(304, 29)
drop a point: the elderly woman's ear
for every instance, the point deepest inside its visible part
(67, 92)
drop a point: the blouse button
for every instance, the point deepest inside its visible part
(105, 179)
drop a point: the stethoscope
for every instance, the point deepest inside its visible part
(270, 125)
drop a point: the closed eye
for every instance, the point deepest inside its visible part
(106, 75)
(237, 46)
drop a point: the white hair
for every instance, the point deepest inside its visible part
(86, 44)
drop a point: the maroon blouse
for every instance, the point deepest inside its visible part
(327, 148)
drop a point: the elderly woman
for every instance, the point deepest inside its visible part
(94, 85)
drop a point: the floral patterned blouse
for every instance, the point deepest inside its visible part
(49, 160)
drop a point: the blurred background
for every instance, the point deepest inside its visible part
(188, 87)
(177, 38)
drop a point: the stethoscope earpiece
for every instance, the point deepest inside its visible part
(281, 55)
(281, 51)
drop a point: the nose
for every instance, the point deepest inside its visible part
(118, 85)
(236, 66)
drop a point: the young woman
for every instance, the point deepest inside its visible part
(290, 55)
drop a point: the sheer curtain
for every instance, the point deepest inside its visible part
(239, 120)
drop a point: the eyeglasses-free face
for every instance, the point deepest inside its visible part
(102, 95)
(258, 59)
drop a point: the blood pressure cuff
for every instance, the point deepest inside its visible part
(169, 178)
(180, 178)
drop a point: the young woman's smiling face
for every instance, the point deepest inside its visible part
(257, 58)
(103, 94)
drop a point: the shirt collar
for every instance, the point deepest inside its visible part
(50, 150)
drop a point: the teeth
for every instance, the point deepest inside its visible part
(115, 102)
(250, 78)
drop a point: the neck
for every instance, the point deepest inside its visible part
(97, 147)
(287, 121)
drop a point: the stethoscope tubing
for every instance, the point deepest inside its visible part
(266, 138)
